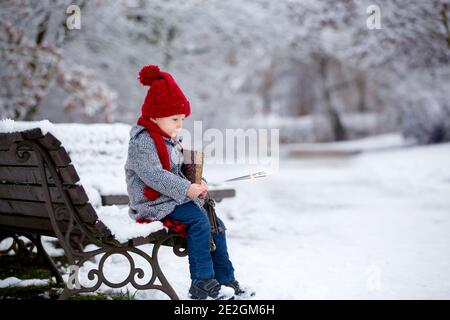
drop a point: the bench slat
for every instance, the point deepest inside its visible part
(117, 200)
(108, 200)
(32, 134)
(36, 193)
(35, 133)
(60, 157)
(222, 193)
(49, 141)
(38, 209)
(9, 158)
(31, 224)
(32, 175)
(7, 139)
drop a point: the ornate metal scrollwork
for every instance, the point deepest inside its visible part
(22, 249)
(14, 246)
(19, 246)
(22, 152)
(61, 213)
(135, 273)
(179, 250)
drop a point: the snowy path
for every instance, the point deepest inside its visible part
(374, 226)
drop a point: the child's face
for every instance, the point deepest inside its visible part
(170, 125)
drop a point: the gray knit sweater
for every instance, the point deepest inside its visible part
(143, 167)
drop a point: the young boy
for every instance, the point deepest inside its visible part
(157, 187)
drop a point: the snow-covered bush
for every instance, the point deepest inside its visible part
(426, 126)
(87, 96)
(426, 119)
(28, 62)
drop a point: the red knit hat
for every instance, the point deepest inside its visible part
(164, 97)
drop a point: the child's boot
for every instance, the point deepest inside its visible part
(209, 288)
(240, 291)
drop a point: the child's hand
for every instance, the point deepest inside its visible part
(203, 194)
(195, 190)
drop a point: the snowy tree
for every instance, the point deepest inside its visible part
(31, 39)
(29, 56)
(253, 63)
(409, 55)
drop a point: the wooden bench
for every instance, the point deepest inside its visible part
(40, 196)
(218, 195)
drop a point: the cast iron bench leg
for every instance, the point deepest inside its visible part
(47, 259)
(135, 272)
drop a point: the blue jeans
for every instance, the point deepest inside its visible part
(204, 264)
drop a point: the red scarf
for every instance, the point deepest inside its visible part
(157, 134)
(173, 225)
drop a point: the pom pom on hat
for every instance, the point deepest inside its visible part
(164, 97)
(148, 74)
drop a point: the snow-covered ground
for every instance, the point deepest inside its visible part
(371, 226)
(15, 282)
(375, 226)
